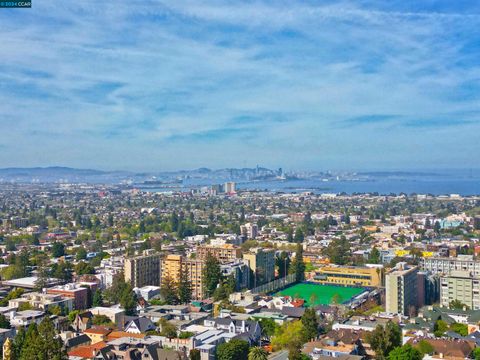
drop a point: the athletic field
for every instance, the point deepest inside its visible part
(320, 294)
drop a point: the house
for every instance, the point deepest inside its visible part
(97, 334)
(247, 330)
(88, 351)
(73, 340)
(447, 349)
(139, 325)
(83, 321)
(333, 349)
(154, 352)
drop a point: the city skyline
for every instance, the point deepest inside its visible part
(165, 85)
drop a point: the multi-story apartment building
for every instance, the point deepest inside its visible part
(40, 300)
(77, 293)
(143, 270)
(445, 265)
(349, 275)
(224, 253)
(173, 265)
(229, 187)
(401, 289)
(239, 270)
(461, 286)
(194, 270)
(262, 265)
(249, 230)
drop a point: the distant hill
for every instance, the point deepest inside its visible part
(68, 174)
(49, 171)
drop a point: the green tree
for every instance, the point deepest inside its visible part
(282, 262)
(184, 288)
(461, 329)
(439, 328)
(476, 353)
(29, 349)
(194, 354)
(167, 328)
(339, 251)
(384, 339)
(97, 298)
(299, 237)
(290, 336)
(425, 347)
(457, 305)
(269, 326)
(128, 300)
(374, 257)
(233, 350)
(211, 275)
(405, 352)
(81, 254)
(62, 270)
(4, 322)
(101, 320)
(168, 291)
(55, 310)
(43, 272)
(113, 293)
(310, 324)
(72, 315)
(83, 268)
(18, 343)
(49, 343)
(14, 294)
(257, 353)
(58, 249)
(297, 266)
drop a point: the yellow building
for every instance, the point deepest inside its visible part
(349, 275)
(402, 253)
(172, 265)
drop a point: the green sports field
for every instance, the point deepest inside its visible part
(322, 294)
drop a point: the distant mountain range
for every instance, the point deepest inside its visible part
(67, 174)
(56, 174)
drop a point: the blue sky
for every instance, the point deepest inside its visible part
(162, 85)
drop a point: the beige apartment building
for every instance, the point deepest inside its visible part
(461, 286)
(224, 253)
(143, 270)
(401, 289)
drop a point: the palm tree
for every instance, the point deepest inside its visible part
(257, 353)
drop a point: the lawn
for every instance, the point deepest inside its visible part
(319, 293)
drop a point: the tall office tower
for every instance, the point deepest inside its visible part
(143, 270)
(262, 265)
(461, 286)
(401, 289)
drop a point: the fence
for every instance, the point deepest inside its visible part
(274, 285)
